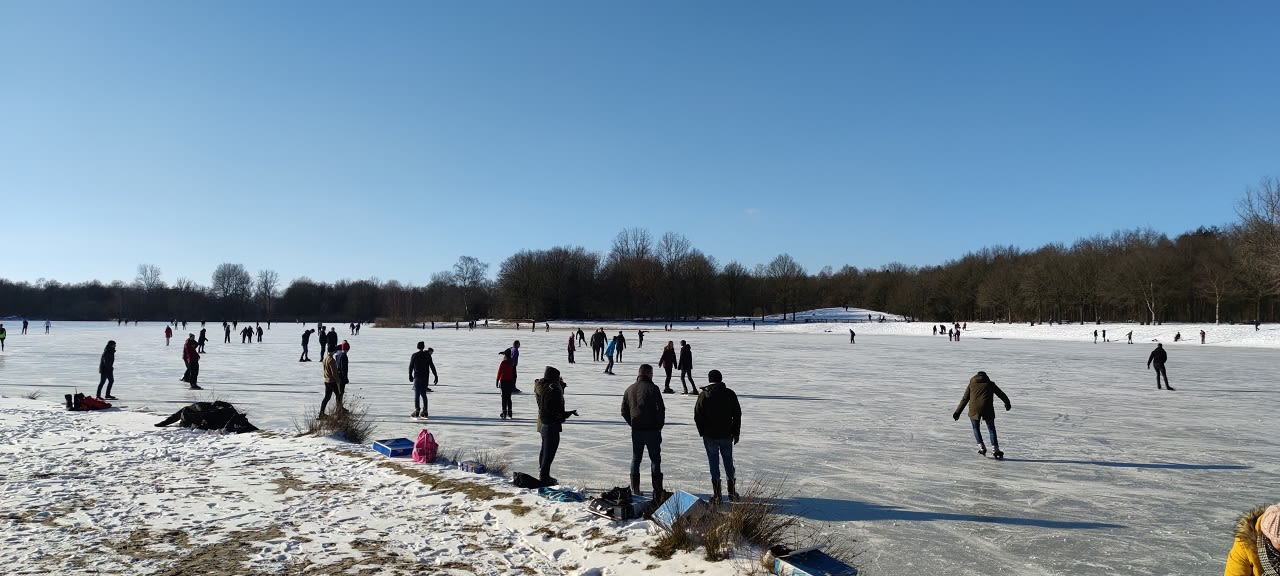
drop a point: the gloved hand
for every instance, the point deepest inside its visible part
(955, 416)
(1007, 406)
(574, 412)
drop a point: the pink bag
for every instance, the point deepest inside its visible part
(424, 450)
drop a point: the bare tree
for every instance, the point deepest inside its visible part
(469, 276)
(149, 278)
(232, 284)
(1259, 213)
(266, 289)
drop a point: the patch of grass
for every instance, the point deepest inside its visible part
(33, 395)
(744, 528)
(517, 507)
(473, 490)
(349, 421)
(495, 459)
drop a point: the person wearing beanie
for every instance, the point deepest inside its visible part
(549, 391)
(421, 367)
(686, 367)
(981, 407)
(719, 419)
(645, 413)
(1257, 541)
(506, 382)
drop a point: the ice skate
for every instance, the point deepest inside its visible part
(997, 454)
(982, 449)
(414, 415)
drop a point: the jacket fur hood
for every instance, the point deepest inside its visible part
(1247, 527)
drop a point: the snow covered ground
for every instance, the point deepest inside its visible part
(1104, 474)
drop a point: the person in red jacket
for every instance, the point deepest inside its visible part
(506, 382)
(192, 359)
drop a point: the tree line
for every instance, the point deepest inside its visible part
(1211, 274)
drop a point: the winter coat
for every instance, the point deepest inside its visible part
(506, 372)
(1243, 559)
(642, 405)
(608, 350)
(717, 412)
(330, 370)
(1159, 356)
(686, 358)
(571, 346)
(189, 354)
(978, 397)
(331, 339)
(550, 397)
(421, 366)
(108, 362)
(340, 366)
(668, 359)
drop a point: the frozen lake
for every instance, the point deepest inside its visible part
(1103, 475)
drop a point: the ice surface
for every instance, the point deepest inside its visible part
(1104, 474)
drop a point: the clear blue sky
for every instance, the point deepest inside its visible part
(386, 139)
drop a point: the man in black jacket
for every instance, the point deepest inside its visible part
(686, 367)
(719, 419)
(645, 413)
(420, 368)
(549, 391)
(1159, 357)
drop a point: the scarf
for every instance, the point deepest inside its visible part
(1268, 556)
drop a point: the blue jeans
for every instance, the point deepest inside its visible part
(991, 428)
(650, 440)
(609, 368)
(550, 443)
(716, 449)
(420, 394)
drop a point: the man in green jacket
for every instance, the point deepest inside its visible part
(978, 397)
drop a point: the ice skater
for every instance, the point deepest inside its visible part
(3, 334)
(571, 347)
(168, 334)
(1158, 357)
(306, 343)
(852, 334)
(621, 345)
(106, 370)
(686, 367)
(506, 381)
(981, 407)
(191, 358)
(668, 361)
(514, 350)
(608, 353)
(421, 367)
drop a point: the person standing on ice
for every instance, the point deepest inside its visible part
(332, 383)
(331, 340)
(668, 361)
(421, 367)
(506, 380)
(978, 395)
(1202, 336)
(3, 334)
(549, 392)
(571, 348)
(851, 335)
(686, 367)
(645, 413)
(107, 369)
(168, 334)
(191, 358)
(1159, 357)
(1257, 541)
(719, 419)
(306, 343)
(608, 353)
(1130, 336)
(514, 350)
(621, 344)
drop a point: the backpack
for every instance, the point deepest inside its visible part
(522, 480)
(424, 450)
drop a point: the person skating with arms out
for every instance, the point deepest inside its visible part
(978, 395)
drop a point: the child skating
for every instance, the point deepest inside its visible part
(978, 397)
